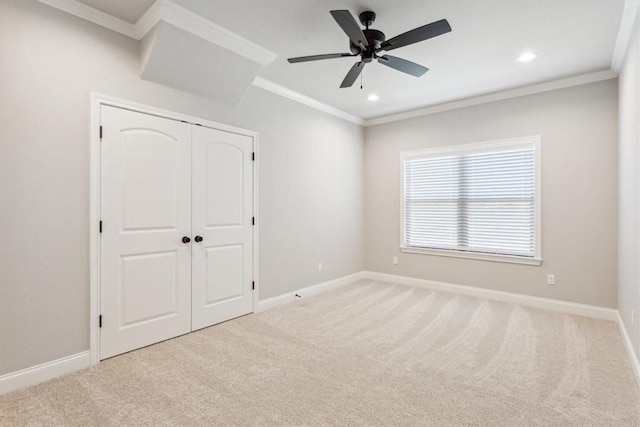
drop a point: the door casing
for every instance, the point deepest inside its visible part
(97, 101)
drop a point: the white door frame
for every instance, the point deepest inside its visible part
(97, 101)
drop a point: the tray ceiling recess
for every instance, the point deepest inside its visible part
(185, 51)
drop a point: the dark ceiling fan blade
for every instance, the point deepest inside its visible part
(403, 65)
(352, 75)
(345, 19)
(417, 35)
(318, 57)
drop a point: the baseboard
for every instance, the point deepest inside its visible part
(526, 300)
(269, 303)
(633, 357)
(46, 371)
(43, 372)
(49, 370)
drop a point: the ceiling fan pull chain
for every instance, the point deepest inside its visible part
(361, 79)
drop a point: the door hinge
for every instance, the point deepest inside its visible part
(100, 321)
(253, 285)
(101, 226)
(253, 156)
(253, 220)
(100, 133)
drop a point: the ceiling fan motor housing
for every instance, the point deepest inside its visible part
(375, 39)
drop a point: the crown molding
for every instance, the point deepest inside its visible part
(151, 17)
(630, 14)
(170, 12)
(303, 99)
(174, 14)
(497, 96)
(96, 16)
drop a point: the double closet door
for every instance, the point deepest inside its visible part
(177, 228)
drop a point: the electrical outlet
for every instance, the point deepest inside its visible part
(551, 279)
(395, 260)
(319, 266)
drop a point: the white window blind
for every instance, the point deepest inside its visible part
(479, 198)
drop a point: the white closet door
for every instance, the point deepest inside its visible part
(145, 211)
(222, 207)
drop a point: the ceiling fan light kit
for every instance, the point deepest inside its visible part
(369, 43)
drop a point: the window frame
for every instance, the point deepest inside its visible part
(477, 147)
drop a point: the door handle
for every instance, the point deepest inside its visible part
(198, 239)
(185, 239)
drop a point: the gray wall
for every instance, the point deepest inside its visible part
(629, 175)
(578, 127)
(311, 180)
(310, 177)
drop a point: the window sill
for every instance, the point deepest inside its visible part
(472, 255)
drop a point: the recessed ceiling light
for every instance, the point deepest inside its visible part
(373, 97)
(527, 56)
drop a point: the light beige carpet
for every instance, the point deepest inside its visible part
(370, 353)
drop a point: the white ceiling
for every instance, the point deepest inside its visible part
(571, 37)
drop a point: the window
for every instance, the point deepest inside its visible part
(475, 200)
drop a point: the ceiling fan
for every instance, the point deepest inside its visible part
(368, 43)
